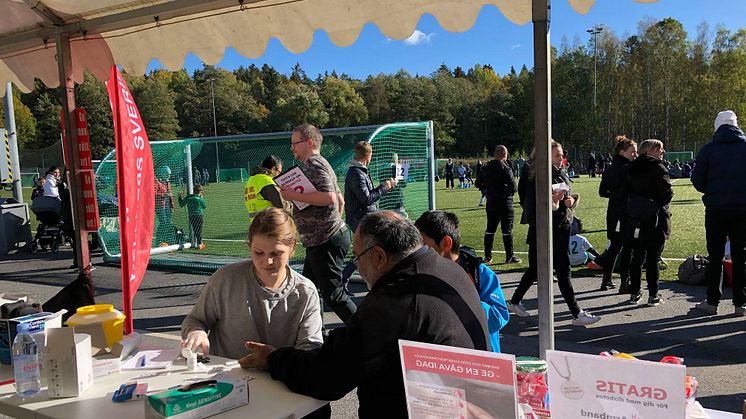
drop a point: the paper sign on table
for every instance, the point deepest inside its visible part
(296, 180)
(594, 386)
(448, 382)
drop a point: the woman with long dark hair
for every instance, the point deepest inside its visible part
(613, 187)
(647, 217)
(563, 205)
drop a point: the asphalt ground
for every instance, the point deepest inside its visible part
(714, 347)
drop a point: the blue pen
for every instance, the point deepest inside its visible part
(141, 361)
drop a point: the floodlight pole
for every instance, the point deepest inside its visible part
(542, 166)
(215, 131)
(594, 31)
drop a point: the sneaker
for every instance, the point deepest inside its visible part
(707, 308)
(634, 299)
(655, 300)
(739, 311)
(594, 266)
(164, 244)
(201, 246)
(624, 287)
(517, 309)
(584, 319)
(513, 259)
(487, 260)
(608, 285)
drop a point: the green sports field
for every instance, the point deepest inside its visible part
(226, 220)
(688, 235)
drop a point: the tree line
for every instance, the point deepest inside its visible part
(658, 83)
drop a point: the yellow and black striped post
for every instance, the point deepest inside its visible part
(9, 179)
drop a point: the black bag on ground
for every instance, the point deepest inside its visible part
(76, 294)
(693, 271)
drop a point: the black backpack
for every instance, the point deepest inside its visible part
(469, 260)
(640, 212)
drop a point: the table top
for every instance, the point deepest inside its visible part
(267, 398)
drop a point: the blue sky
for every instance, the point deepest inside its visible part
(492, 40)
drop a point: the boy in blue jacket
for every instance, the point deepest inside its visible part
(439, 230)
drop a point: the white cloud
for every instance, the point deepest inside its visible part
(515, 46)
(418, 37)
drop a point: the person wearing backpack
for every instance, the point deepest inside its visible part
(439, 230)
(720, 175)
(647, 218)
(613, 187)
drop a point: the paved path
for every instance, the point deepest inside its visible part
(713, 346)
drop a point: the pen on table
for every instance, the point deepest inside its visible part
(11, 381)
(141, 361)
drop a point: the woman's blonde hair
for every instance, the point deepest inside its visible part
(649, 145)
(274, 223)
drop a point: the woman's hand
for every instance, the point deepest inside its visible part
(197, 339)
(569, 201)
(557, 196)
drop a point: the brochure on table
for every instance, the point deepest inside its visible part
(448, 382)
(296, 180)
(605, 387)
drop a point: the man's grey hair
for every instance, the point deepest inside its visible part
(501, 151)
(310, 132)
(395, 234)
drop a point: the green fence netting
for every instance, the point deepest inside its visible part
(222, 165)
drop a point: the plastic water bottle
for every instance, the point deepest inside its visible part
(26, 363)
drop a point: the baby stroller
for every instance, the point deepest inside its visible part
(49, 234)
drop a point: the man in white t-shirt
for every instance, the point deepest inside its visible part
(581, 250)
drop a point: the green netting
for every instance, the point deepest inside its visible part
(227, 162)
(682, 156)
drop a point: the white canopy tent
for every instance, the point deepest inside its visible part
(55, 40)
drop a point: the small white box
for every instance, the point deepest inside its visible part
(68, 362)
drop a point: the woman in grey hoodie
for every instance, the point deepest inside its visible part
(261, 299)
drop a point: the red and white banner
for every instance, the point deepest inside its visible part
(135, 189)
(86, 170)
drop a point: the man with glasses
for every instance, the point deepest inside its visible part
(415, 294)
(320, 226)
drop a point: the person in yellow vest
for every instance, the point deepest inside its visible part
(261, 191)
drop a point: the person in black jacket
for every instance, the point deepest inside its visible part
(563, 205)
(496, 179)
(360, 195)
(448, 173)
(613, 187)
(720, 174)
(649, 191)
(415, 294)
(591, 165)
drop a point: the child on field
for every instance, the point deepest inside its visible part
(196, 205)
(581, 251)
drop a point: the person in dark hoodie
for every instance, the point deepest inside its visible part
(496, 178)
(647, 218)
(720, 174)
(613, 187)
(415, 294)
(563, 205)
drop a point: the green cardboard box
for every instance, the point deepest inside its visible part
(199, 400)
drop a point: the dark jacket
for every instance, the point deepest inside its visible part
(648, 177)
(496, 178)
(360, 195)
(720, 173)
(425, 298)
(613, 187)
(561, 218)
(527, 193)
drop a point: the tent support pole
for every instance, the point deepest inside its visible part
(72, 152)
(542, 165)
